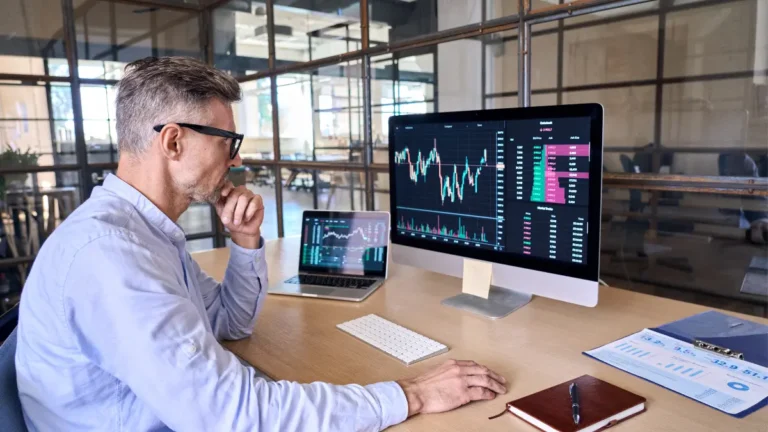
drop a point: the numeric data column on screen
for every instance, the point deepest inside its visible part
(579, 230)
(552, 237)
(519, 170)
(549, 231)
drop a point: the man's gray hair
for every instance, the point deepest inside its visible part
(166, 90)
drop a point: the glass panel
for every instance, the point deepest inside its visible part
(407, 19)
(618, 51)
(501, 102)
(715, 128)
(331, 190)
(197, 219)
(32, 206)
(253, 118)
(321, 114)
(381, 200)
(459, 75)
(401, 84)
(543, 99)
(28, 133)
(629, 117)
(510, 8)
(240, 43)
(119, 32)
(321, 30)
(716, 39)
(691, 247)
(31, 37)
(199, 245)
(97, 69)
(501, 57)
(614, 14)
(261, 180)
(99, 124)
(501, 62)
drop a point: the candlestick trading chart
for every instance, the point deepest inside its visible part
(519, 186)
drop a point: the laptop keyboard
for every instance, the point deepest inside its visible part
(332, 281)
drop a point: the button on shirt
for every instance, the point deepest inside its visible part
(119, 330)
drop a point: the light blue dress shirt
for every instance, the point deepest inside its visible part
(119, 331)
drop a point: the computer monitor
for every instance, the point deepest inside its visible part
(519, 188)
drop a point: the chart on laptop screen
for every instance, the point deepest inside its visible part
(344, 243)
(517, 186)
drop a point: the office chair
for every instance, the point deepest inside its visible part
(11, 417)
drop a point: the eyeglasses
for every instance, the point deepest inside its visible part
(234, 146)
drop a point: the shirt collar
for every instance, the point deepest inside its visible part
(145, 207)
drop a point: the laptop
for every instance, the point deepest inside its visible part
(343, 256)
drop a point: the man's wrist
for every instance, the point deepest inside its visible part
(247, 241)
(412, 396)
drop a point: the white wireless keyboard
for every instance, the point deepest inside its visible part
(405, 345)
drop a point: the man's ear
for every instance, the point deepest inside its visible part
(170, 141)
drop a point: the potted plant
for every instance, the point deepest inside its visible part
(13, 158)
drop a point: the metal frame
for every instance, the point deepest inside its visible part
(523, 22)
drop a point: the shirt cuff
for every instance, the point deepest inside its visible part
(241, 255)
(394, 405)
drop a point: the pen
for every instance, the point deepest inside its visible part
(574, 391)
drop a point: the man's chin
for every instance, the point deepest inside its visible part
(213, 197)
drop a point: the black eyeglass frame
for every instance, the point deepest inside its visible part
(234, 146)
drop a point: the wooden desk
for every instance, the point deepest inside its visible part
(536, 347)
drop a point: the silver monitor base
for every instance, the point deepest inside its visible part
(500, 303)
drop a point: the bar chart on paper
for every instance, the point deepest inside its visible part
(682, 369)
(632, 350)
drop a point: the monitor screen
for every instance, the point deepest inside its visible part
(353, 243)
(511, 188)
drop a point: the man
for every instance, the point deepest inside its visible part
(119, 327)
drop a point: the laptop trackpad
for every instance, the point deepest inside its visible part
(317, 290)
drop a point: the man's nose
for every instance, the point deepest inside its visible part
(236, 162)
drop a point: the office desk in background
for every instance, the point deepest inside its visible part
(536, 347)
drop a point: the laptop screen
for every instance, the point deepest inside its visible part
(348, 243)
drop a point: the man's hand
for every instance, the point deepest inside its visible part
(758, 232)
(453, 384)
(242, 212)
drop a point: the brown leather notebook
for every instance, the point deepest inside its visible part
(602, 405)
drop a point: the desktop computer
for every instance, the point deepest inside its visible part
(517, 188)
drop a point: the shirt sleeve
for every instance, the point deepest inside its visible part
(130, 314)
(234, 304)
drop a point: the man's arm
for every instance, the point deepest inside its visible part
(131, 315)
(234, 304)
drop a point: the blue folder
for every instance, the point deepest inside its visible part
(725, 331)
(746, 337)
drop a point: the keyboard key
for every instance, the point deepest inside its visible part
(332, 281)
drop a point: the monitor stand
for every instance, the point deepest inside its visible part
(480, 297)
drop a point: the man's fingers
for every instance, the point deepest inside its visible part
(229, 209)
(254, 206)
(465, 363)
(486, 382)
(240, 207)
(482, 370)
(480, 393)
(227, 189)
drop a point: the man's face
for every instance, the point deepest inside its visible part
(205, 161)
